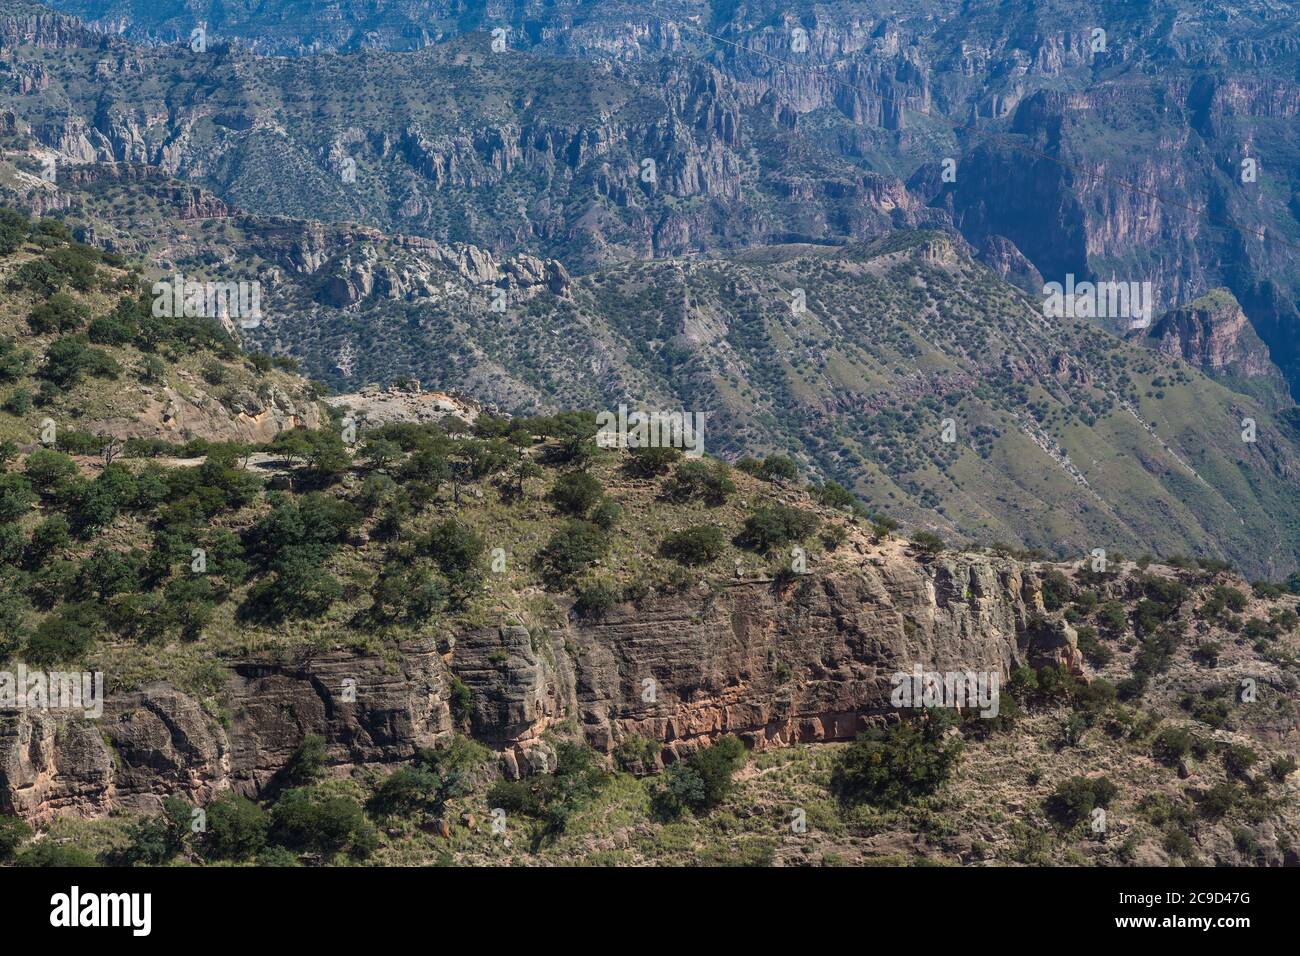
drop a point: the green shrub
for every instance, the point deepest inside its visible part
(14, 228)
(554, 797)
(774, 526)
(895, 765)
(1074, 799)
(708, 481)
(779, 468)
(155, 840)
(307, 763)
(460, 700)
(635, 753)
(606, 514)
(1113, 618)
(59, 313)
(14, 362)
(458, 552)
(1094, 652)
(1057, 590)
(928, 543)
(64, 637)
(307, 818)
(695, 546)
(236, 828)
(1238, 759)
(13, 834)
(16, 497)
(576, 493)
(49, 470)
(69, 359)
(19, 403)
(1179, 845)
(405, 791)
(834, 495)
(47, 855)
(1171, 745)
(435, 776)
(651, 462)
(1218, 801)
(701, 781)
(571, 550)
(597, 599)
(298, 587)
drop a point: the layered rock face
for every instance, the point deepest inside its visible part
(810, 661)
(157, 741)
(1213, 333)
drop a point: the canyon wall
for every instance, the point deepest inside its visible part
(809, 660)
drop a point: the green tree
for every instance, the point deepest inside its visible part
(651, 462)
(895, 765)
(1075, 799)
(58, 313)
(307, 763)
(698, 479)
(576, 493)
(16, 497)
(236, 828)
(700, 782)
(14, 362)
(69, 359)
(571, 550)
(13, 834)
(780, 468)
(774, 526)
(834, 495)
(928, 543)
(458, 552)
(49, 470)
(1171, 745)
(311, 819)
(696, 545)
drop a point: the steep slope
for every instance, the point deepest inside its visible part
(1213, 334)
(1063, 140)
(86, 361)
(357, 638)
(505, 150)
(1062, 436)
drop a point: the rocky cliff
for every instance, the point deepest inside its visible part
(1213, 334)
(772, 663)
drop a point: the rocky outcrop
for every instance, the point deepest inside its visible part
(1001, 255)
(775, 664)
(43, 29)
(157, 741)
(374, 408)
(178, 416)
(1213, 334)
(189, 202)
(810, 663)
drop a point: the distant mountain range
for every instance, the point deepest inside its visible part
(652, 187)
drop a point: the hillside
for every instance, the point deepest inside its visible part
(1065, 438)
(1120, 155)
(386, 636)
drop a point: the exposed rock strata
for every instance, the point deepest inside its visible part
(810, 662)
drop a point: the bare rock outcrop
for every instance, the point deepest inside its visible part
(775, 664)
(1213, 334)
(156, 741)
